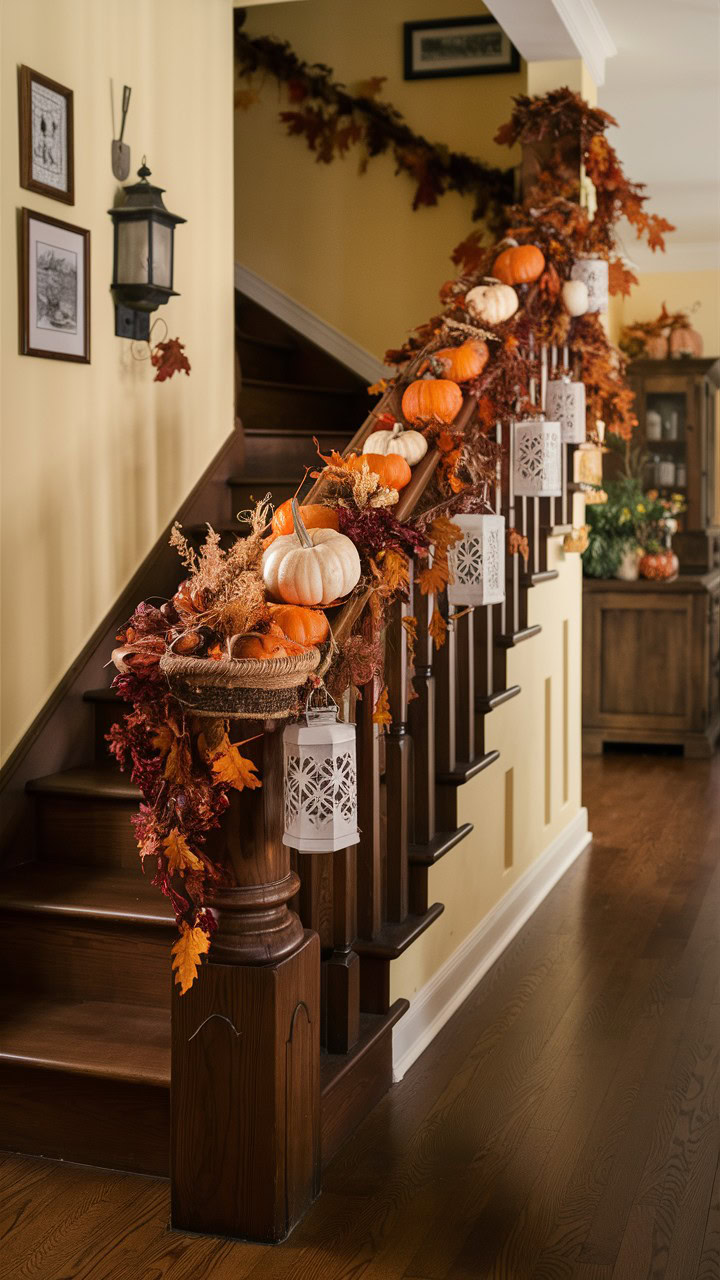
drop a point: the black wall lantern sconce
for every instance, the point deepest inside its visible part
(143, 256)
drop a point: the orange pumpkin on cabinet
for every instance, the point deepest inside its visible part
(391, 469)
(314, 516)
(304, 626)
(464, 362)
(521, 264)
(436, 400)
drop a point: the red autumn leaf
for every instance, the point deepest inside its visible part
(167, 358)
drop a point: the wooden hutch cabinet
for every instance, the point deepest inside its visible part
(676, 406)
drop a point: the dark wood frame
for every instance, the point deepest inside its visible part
(25, 78)
(25, 348)
(440, 24)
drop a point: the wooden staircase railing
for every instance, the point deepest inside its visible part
(248, 1039)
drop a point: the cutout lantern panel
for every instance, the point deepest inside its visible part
(320, 783)
(537, 459)
(477, 562)
(566, 403)
(594, 274)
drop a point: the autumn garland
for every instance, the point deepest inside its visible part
(186, 771)
(331, 119)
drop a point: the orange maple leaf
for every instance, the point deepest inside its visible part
(438, 629)
(434, 577)
(410, 626)
(228, 765)
(518, 543)
(187, 954)
(444, 534)
(381, 714)
(179, 854)
(394, 570)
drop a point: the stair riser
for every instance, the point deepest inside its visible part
(292, 408)
(86, 829)
(261, 360)
(94, 1121)
(68, 959)
(244, 496)
(287, 455)
(106, 715)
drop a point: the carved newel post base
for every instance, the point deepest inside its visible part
(245, 1096)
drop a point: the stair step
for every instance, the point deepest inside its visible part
(488, 702)
(85, 893)
(293, 405)
(426, 855)
(86, 1081)
(95, 1038)
(352, 1083)
(394, 938)
(107, 710)
(464, 771)
(283, 452)
(516, 637)
(83, 816)
(263, 357)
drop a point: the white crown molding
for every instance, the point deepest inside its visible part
(546, 30)
(310, 325)
(444, 993)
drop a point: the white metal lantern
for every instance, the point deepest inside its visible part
(594, 273)
(537, 463)
(566, 402)
(320, 782)
(477, 562)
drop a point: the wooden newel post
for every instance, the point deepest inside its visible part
(245, 1096)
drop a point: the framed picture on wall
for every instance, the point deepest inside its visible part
(54, 289)
(457, 47)
(46, 136)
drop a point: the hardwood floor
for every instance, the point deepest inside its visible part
(563, 1124)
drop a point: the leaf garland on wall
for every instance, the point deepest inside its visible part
(332, 120)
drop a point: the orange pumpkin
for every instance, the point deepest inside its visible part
(273, 644)
(463, 362)
(685, 341)
(435, 400)
(314, 516)
(520, 264)
(305, 626)
(393, 471)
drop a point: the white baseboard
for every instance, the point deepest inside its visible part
(453, 982)
(308, 324)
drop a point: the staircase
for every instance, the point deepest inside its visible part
(85, 1034)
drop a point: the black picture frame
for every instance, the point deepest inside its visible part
(412, 71)
(28, 179)
(81, 353)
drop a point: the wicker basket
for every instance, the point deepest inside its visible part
(244, 688)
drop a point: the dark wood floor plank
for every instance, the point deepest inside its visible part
(709, 1264)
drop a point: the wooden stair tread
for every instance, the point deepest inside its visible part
(396, 937)
(463, 772)
(107, 694)
(273, 344)
(270, 384)
(333, 1066)
(516, 637)
(86, 893)
(426, 855)
(289, 433)
(103, 780)
(113, 1041)
(487, 702)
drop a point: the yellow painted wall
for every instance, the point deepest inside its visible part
(679, 290)
(473, 878)
(95, 459)
(348, 246)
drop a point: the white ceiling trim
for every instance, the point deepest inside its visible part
(546, 30)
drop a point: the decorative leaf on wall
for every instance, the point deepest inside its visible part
(168, 358)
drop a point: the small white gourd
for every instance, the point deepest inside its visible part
(310, 566)
(575, 297)
(411, 445)
(492, 302)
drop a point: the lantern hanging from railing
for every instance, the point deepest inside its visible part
(565, 402)
(477, 562)
(537, 463)
(594, 274)
(320, 782)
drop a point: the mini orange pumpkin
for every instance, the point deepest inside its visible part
(521, 264)
(463, 362)
(305, 626)
(392, 470)
(314, 516)
(435, 400)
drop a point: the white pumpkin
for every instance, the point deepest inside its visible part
(492, 302)
(411, 445)
(575, 297)
(310, 566)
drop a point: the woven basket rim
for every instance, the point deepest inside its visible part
(175, 664)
